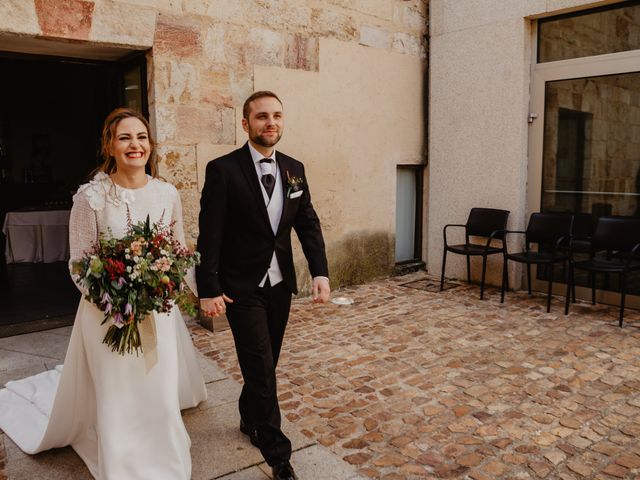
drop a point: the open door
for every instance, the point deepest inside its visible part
(51, 115)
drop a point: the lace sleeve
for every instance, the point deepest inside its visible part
(178, 231)
(83, 229)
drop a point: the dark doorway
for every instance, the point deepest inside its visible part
(51, 114)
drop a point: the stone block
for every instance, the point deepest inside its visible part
(123, 24)
(380, 8)
(44, 345)
(242, 85)
(164, 117)
(411, 17)
(178, 165)
(240, 46)
(279, 14)
(318, 462)
(214, 44)
(176, 82)
(267, 47)
(252, 473)
(206, 152)
(215, 87)
(65, 19)
(191, 208)
(408, 44)
(334, 24)
(178, 36)
(216, 9)
(302, 52)
(204, 124)
(19, 16)
(373, 36)
(174, 6)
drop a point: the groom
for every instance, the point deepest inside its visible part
(251, 199)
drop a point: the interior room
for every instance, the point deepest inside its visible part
(51, 110)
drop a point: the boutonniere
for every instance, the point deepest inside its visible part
(294, 184)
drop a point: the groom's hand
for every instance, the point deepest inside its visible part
(321, 289)
(216, 306)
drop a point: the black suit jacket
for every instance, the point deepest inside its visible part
(236, 241)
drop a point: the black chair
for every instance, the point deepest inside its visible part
(552, 233)
(615, 248)
(489, 223)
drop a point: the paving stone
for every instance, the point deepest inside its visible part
(541, 469)
(629, 461)
(616, 470)
(579, 468)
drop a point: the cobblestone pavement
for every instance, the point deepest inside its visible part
(411, 384)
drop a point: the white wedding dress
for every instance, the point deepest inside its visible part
(123, 421)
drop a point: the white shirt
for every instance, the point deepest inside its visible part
(274, 205)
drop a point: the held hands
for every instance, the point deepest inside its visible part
(214, 307)
(321, 290)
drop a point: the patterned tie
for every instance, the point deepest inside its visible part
(267, 179)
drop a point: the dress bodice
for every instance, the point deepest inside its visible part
(101, 208)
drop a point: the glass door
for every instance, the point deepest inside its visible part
(584, 143)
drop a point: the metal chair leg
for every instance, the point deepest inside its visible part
(505, 261)
(623, 281)
(529, 277)
(505, 279)
(550, 273)
(468, 268)
(570, 288)
(444, 263)
(484, 271)
(592, 280)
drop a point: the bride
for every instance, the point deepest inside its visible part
(119, 414)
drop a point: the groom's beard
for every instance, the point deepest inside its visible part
(264, 141)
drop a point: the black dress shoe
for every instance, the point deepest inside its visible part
(283, 471)
(251, 432)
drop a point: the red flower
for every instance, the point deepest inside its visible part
(115, 268)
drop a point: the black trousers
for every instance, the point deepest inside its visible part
(258, 323)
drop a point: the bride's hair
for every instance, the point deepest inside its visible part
(108, 164)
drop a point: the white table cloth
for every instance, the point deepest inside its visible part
(39, 236)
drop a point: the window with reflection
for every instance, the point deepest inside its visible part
(595, 32)
(591, 158)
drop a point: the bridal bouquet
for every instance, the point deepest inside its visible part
(130, 277)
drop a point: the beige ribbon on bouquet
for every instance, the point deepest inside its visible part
(149, 341)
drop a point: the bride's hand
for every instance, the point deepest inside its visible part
(216, 306)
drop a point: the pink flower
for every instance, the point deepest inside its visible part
(136, 247)
(106, 298)
(163, 264)
(117, 320)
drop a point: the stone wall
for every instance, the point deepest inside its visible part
(202, 61)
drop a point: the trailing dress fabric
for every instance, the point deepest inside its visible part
(123, 421)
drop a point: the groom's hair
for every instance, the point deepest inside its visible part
(246, 109)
